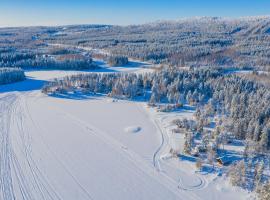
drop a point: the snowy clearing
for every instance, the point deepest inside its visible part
(61, 148)
(78, 148)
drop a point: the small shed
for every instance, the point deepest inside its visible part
(224, 160)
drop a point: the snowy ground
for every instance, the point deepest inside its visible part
(91, 147)
(205, 184)
(64, 148)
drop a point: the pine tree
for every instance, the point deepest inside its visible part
(187, 144)
(211, 156)
(258, 173)
(237, 174)
(264, 191)
(264, 141)
(205, 140)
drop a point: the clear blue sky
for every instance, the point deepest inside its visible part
(57, 12)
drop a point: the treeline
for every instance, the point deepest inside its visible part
(117, 60)
(72, 62)
(62, 61)
(242, 104)
(167, 85)
(10, 75)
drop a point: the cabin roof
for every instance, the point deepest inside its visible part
(224, 159)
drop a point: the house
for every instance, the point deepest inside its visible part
(224, 160)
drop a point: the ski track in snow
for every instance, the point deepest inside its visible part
(19, 169)
(165, 143)
(23, 173)
(157, 158)
(64, 168)
(12, 171)
(7, 191)
(32, 184)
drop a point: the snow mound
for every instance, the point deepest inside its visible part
(132, 129)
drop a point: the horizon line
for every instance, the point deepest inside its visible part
(252, 17)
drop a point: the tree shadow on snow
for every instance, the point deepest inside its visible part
(187, 158)
(136, 64)
(232, 155)
(207, 169)
(131, 64)
(28, 84)
(237, 143)
(76, 96)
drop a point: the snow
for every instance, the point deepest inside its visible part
(132, 129)
(205, 184)
(63, 148)
(93, 148)
(176, 141)
(83, 160)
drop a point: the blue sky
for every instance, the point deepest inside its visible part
(123, 12)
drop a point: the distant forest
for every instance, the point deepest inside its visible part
(240, 43)
(10, 75)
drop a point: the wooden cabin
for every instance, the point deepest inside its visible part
(224, 160)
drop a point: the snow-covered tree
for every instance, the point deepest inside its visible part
(264, 191)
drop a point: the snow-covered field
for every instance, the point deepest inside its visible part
(91, 147)
(64, 148)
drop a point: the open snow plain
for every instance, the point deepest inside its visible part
(89, 147)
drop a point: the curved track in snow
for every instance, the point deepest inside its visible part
(66, 149)
(38, 162)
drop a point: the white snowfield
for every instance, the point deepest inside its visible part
(88, 147)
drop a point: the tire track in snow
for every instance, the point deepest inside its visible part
(55, 156)
(11, 171)
(42, 184)
(181, 185)
(20, 177)
(6, 182)
(39, 180)
(156, 157)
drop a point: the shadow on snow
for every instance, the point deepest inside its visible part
(23, 86)
(76, 96)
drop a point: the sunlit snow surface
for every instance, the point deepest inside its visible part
(84, 147)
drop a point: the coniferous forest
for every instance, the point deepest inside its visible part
(212, 74)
